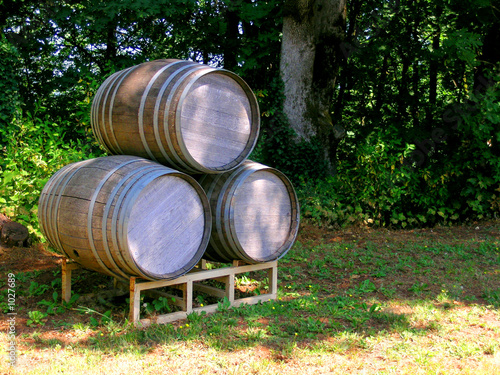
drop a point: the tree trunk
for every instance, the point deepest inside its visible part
(313, 31)
(231, 38)
(111, 47)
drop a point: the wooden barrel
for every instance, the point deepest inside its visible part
(189, 116)
(126, 216)
(255, 214)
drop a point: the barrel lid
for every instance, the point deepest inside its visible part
(168, 226)
(218, 120)
(264, 214)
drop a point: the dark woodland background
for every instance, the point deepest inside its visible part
(415, 106)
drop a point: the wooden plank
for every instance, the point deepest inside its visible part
(175, 316)
(187, 302)
(66, 271)
(255, 267)
(189, 297)
(230, 289)
(253, 300)
(162, 319)
(211, 290)
(273, 280)
(135, 301)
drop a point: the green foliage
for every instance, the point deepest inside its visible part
(480, 129)
(8, 85)
(96, 318)
(422, 301)
(55, 306)
(160, 305)
(36, 289)
(75, 43)
(35, 318)
(383, 182)
(279, 145)
(421, 143)
(36, 148)
(492, 297)
(224, 305)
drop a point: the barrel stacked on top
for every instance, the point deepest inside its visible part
(173, 125)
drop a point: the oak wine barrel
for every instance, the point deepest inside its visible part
(182, 114)
(126, 216)
(255, 214)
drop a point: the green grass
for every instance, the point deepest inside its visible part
(385, 303)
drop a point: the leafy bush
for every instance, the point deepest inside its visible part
(479, 153)
(381, 182)
(35, 149)
(8, 85)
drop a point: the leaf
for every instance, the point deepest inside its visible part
(8, 177)
(422, 218)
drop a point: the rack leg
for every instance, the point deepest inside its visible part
(135, 301)
(230, 288)
(273, 281)
(188, 297)
(66, 270)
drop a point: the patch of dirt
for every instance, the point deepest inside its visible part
(36, 266)
(28, 259)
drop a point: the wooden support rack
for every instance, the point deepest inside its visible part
(187, 284)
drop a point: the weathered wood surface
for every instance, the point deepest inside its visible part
(191, 117)
(126, 216)
(255, 214)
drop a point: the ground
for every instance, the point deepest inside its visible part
(38, 258)
(38, 269)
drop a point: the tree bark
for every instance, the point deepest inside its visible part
(111, 47)
(231, 38)
(313, 31)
